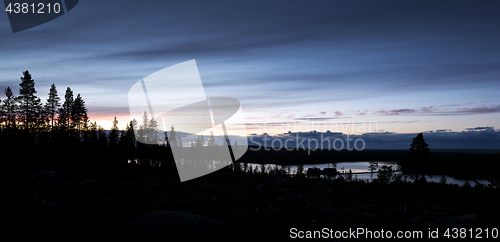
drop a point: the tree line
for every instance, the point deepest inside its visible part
(27, 112)
(58, 132)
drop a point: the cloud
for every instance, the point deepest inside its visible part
(431, 111)
(362, 113)
(396, 112)
(471, 138)
(427, 109)
(276, 52)
(259, 118)
(272, 123)
(278, 115)
(479, 110)
(481, 129)
(463, 111)
(405, 122)
(318, 119)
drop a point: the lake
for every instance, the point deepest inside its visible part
(362, 167)
(358, 168)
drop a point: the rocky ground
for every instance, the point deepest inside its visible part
(143, 203)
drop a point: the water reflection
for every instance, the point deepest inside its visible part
(360, 171)
(146, 162)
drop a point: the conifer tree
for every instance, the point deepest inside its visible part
(122, 142)
(78, 113)
(372, 167)
(172, 138)
(419, 147)
(200, 141)
(9, 108)
(300, 171)
(93, 133)
(211, 139)
(113, 135)
(29, 104)
(152, 131)
(130, 133)
(65, 111)
(52, 104)
(101, 140)
(143, 129)
(39, 117)
(133, 126)
(127, 140)
(2, 114)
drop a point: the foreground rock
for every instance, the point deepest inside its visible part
(464, 221)
(176, 226)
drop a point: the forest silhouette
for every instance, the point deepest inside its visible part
(64, 167)
(58, 133)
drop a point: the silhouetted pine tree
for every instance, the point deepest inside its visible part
(86, 133)
(2, 116)
(130, 132)
(9, 109)
(39, 116)
(172, 138)
(78, 113)
(127, 142)
(418, 157)
(152, 131)
(52, 105)
(300, 171)
(102, 139)
(134, 126)
(141, 136)
(419, 147)
(113, 135)
(29, 104)
(142, 131)
(93, 136)
(211, 139)
(372, 167)
(65, 111)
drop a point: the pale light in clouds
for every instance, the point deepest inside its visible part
(386, 62)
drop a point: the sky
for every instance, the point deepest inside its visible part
(354, 67)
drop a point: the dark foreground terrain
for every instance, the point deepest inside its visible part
(143, 203)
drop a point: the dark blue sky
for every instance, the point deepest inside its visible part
(409, 66)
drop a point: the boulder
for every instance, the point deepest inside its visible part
(463, 221)
(45, 176)
(175, 226)
(278, 179)
(260, 187)
(418, 219)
